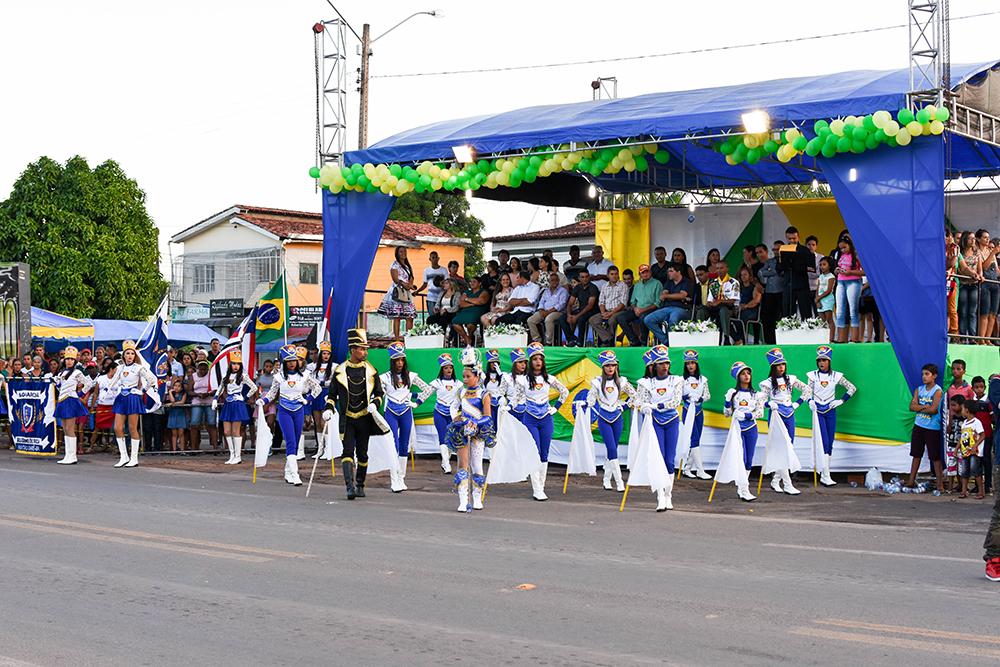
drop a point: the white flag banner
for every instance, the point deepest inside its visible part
(633, 438)
(333, 446)
(382, 454)
(262, 446)
(817, 440)
(515, 455)
(731, 467)
(684, 438)
(649, 468)
(779, 453)
(581, 447)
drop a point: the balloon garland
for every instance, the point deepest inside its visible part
(854, 134)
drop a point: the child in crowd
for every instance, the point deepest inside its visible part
(952, 439)
(825, 297)
(985, 415)
(958, 386)
(177, 417)
(926, 435)
(970, 463)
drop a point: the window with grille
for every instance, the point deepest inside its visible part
(308, 274)
(204, 278)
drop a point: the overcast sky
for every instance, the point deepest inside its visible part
(211, 103)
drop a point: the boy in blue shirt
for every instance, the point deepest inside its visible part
(926, 433)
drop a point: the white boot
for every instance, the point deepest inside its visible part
(394, 480)
(786, 479)
(292, 470)
(463, 495)
(688, 469)
(538, 483)
(445, 459)
(122, 453)
(477, 492)
(825, 478)
(607, 475)
(616, 471)
(300, 453)
(699, 468)
(229, 445)
(237, 449)
(743, 490)
(70, 457)
(668, 492)
(776, 482)
(133, 459)
(402, 473)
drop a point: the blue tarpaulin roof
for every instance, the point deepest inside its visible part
(111, 331)
(669, 115)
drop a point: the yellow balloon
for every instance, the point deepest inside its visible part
(880, 118)
(650, 148)
(423, 167)
(436, 183)
(543, 170)
(937, 127)
(837, 127)
(750, 141)
(444, 174)
(925, 129)
(624, 154)
(385, 189)
(400, 189)
(903, 138)
(914, 128)
(391, 180)
(491, 180)
(891, 128)
(336, 188)
(791, 135)
(567, 164)
(574, 157)
(730, 160)
(630, 166)
(616, 163)
(931, 109)
(507, 167)
(434, 172)
(635, 150)
(503, 178)
(552, 165)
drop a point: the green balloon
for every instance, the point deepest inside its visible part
(860, 134)
(478, 179)
(740, 154)
(425, 181)
(314, 172)
(891, 141)
(585, 164)
(814, 146)
(820, 125)
(370, 188)
(484, 166)
(857, 146)
(462, 177)
(596, 169)
(753, 155)
(904, 116)
(725, 148)
(661, 156)
(869, 123)
(351, 178)
(395, 170)
(535, 161)
(942, 114)
(879, 135)
(364, 181)
(770, 146)
(412, 176)
(843, 145)
(358, 168)
(831, 140)
(871, 143)
(849, 131)
(800, 143)
(515, 180)
(419, 189)
(829, 150)
(923, 116)
(641, 164)
(452, 182)
(345, 172)
(530, 174)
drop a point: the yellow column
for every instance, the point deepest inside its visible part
(624, 235)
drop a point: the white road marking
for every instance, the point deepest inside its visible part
(866, 552)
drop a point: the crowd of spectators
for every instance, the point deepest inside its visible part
(973, 283)
(591, 301)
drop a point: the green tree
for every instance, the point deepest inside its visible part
(450, 213)
(91, 245)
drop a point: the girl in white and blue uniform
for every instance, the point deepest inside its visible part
(514, 385)
(695, 392)
(322, 370)
(400, 385)
(777, 390)
(70, 384)
(746, 406)
(132, 380)
(293, 390)
(538, 413)
(234, 407)
(445, 387)
(659, 397)
(608, 394)
(493, 382)
(470, 433)
(823, 383)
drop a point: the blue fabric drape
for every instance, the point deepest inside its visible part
(352, 227)
(894, 209)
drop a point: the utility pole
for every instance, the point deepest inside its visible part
(363, 87)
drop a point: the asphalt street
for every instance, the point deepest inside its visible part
(170, 564)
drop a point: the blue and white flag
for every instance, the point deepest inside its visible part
(152, 344)
(32, 416)
(243, 339)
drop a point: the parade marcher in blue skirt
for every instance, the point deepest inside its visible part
(658, 397)
(322, 371)
(302, 352)
(538, 413)
(133, 381)
(695, 392)
(292, 388)
(823, 383)
(608, 394)
(70, 383)
(494, 384)
(777, 390)
(746, 406)
(471, 432)
(234, 407)
(400, 384)
(446, 387)
(514, 385)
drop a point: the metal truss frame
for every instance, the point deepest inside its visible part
(333, 88)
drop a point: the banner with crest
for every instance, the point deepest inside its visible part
(32, 416)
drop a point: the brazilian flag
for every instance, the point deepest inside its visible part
(272, 313)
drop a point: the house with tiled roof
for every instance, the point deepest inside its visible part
(224, 263)
(556, 239)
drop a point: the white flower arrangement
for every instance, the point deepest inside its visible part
(695, 326)
(424, 329)
(795, 324)
(501, 329)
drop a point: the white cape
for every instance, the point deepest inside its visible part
(731, 468)
(779, 453)
(684, 438)
(333, 447)
(515, 455)
(633, 439)
(581, 447)
(262, 445)
(649, 468)
(817, 441)
(381, 454)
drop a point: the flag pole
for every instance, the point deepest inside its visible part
(569, 459)
(712, 492)
(621, 508)
(284, 288)
(254, 473)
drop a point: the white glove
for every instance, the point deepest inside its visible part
(646, 409)
(372, 408)
(411, 404)
(772, 405)
(327, 415)
(260, 402)
(580, 404)
(304, 401)
(504, 407)
(552, 410)
(836, 403)
(812, 404)
(215, 405)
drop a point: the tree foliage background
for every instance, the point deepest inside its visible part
(450, 213)
(91, 245)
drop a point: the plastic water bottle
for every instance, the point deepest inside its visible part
(936, 492)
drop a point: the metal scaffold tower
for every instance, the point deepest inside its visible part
(930, 63)
(331, 90)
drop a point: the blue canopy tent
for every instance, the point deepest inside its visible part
(56, 331)
(891, 199)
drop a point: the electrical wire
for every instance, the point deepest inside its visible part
(709, 49)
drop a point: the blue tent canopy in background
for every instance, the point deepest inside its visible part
(110, 331)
